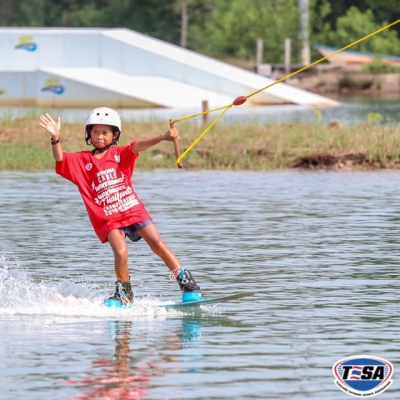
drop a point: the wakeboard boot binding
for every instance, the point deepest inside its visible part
(123, 295)
(190, 290)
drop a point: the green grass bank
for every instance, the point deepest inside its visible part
(25, 146)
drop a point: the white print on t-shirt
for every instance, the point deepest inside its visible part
(88, 166)
(117, 158)
(112, 193)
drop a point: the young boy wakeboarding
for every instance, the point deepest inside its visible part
(104, 180)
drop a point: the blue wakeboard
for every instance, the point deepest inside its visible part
(116, 304)
(194, 303)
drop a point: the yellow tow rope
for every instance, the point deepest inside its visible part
(241, 99)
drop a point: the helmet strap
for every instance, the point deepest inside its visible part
(103, 149)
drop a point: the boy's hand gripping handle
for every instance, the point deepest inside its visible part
(176, 147)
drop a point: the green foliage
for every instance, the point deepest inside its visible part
(22, 12)
(152, 17)
(320, 21)
(374, 118)
(25, 157)
(318, 113)
(377, 66)
(262, 147)
(355, 25)
(387, 10)
(233, 27)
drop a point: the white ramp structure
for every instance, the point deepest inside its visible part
(81, 67)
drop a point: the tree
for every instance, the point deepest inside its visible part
(153, 17)
(22, 12)
(232, 28)
(182, 6)
(387, 10)
(355, 25)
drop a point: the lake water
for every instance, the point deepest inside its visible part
(351, 111)
(319, 250)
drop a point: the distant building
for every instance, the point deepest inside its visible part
(354, 57)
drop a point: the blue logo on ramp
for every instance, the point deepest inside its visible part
(26, 43)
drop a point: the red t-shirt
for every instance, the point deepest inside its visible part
(106, 188)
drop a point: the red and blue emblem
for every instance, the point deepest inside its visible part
(363, 376)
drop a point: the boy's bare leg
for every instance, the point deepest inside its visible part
(116, 238)
(152, 237)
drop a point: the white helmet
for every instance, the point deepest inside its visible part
(104, 116)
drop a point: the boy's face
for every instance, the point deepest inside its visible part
(101, 135)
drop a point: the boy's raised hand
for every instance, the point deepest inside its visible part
(50, 125)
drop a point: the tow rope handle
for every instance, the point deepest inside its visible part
(176, 147)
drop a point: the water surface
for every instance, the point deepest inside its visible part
(320, 251)
(352, 111)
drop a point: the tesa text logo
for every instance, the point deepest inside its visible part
(363, 376)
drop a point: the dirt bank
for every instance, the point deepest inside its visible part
(349, 161)
(328, 79)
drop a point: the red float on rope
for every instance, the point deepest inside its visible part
(239, 100)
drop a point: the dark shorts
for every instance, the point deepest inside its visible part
(131, 230)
